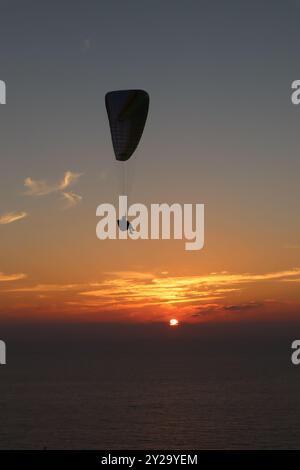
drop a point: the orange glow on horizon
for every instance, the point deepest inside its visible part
(138, 296)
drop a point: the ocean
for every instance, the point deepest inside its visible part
(83, 386)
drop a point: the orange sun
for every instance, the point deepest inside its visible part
(173, 322)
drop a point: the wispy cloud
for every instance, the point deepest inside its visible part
(245, 306)
(128, 289)
(71, 198)
(45, 288)
(140, 295)
(11, 217)
(42, 188)
(36, 188)
(11, 277)
(205, 310)
(69, 179)
(145, 288)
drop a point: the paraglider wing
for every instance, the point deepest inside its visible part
(127, 112)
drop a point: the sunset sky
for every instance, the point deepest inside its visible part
(221, 131)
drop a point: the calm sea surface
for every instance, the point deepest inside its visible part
(140, 387)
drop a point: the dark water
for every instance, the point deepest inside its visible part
(139, 387)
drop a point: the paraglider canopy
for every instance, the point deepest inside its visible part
(127, 112)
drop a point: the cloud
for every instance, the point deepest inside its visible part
(245, 306)
(138, 294)
(42, 188)
(11, 277)
(46, 288)
(71, 198)
(131, 275)
(225, 277)
(128, 288)
(38, 188)
(69, 179)
(11, 217)
(211, 310)
(206, 309)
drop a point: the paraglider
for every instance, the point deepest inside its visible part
(124, 225)
(127, 112)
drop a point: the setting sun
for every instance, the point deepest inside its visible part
(173, 322)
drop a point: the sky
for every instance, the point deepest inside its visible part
(221, 131)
